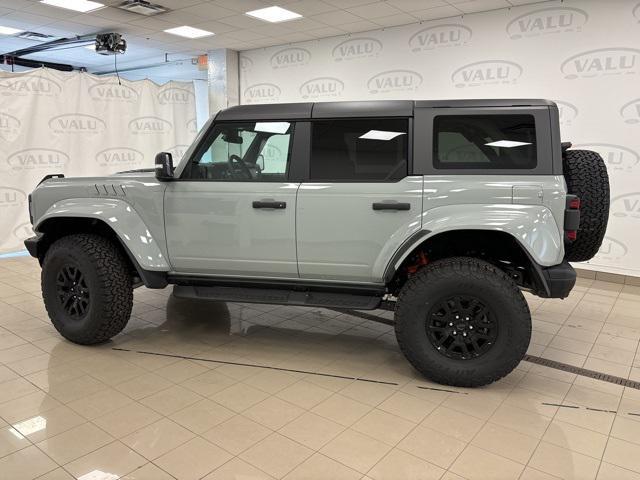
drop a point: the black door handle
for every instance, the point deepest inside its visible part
(269, 204)
(391, 206)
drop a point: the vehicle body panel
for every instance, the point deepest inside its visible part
(212, 228)
(341, 237)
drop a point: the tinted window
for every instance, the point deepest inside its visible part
(244, 152)
(484, 142)
(359, 150)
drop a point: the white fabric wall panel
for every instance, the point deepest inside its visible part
(81, 125)
(583, 54)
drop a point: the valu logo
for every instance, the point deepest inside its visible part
(119, 157)
(567, 111)
(354, 48)
(290, 57)
(394, 81)
(626, 206)
(601, 62)
(30, 85)
(192, 126)
(488, 72)
(617, 157)
(11, 197)
(262, 93)
(77, 123)
(321, 87)
(636, 12)
(630, 112)
(9, 127)
(23, 231)
(612, 250)
(38, 158)
(449, 35)
(547, 21)
(175, 96)
(113, 92)
(245, 62)
(177, 152)
(149, 125)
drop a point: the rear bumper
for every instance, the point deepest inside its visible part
(32, 244)
(559, 280)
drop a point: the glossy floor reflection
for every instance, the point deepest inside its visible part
(230, 391)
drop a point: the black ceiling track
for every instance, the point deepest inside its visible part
(17, 56)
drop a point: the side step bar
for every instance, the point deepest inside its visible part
(279, 296)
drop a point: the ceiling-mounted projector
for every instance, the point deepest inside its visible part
(110, 43)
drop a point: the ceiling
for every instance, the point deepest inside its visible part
(147, 41)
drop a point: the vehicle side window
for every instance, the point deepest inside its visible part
(484, 142)
(243, 152)
(372, 150)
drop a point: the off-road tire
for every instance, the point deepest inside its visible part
(460, 276)
(109, 284)
(586, 175)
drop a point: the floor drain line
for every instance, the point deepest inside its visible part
(584, 372)
(253, 365)
(591, 409)
(441, 390)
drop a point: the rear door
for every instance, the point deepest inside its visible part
(357, 204)
(232, 212)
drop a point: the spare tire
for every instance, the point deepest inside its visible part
(586, 175)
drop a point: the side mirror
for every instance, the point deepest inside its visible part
(164, 166)
(260, 162)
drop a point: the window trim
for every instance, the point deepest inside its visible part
(424, 122)
(307, 169)
(208, 140)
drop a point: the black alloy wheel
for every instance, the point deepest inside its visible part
(461, 327)
(73, 291)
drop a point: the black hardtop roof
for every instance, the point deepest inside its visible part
(370, 108)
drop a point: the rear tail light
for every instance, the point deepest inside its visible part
(574, 203)
(572, 218)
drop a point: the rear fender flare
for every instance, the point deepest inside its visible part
(533, 226)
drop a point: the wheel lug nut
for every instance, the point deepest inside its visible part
(470, 327)
(455, 333)
(451, 324)
(467, 318)
(464, 334)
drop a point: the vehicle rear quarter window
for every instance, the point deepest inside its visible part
(372, 150)
(484, 142)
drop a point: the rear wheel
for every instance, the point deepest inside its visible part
(87, 289)
(462, 322)
(586, 175)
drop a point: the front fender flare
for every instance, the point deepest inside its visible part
(123, 220)
(533, 226)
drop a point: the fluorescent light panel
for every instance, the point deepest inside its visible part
(9, 30)
(380, 135)
(189, 32)
(274, 14)
(506, 144)
(77, 5)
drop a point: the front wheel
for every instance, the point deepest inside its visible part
(86, 288)
(462, 322)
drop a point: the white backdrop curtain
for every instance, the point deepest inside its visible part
(81, 125)
(585, 54)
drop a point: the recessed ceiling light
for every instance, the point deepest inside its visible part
(189, 32)
(506, 144)
(9, 30)
(77, 5)
(274, 14)
(380, 135)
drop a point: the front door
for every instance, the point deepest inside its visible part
(232, 212)
(358, 204)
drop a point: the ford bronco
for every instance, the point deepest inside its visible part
(449, 209)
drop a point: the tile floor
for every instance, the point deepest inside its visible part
(98, 413)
